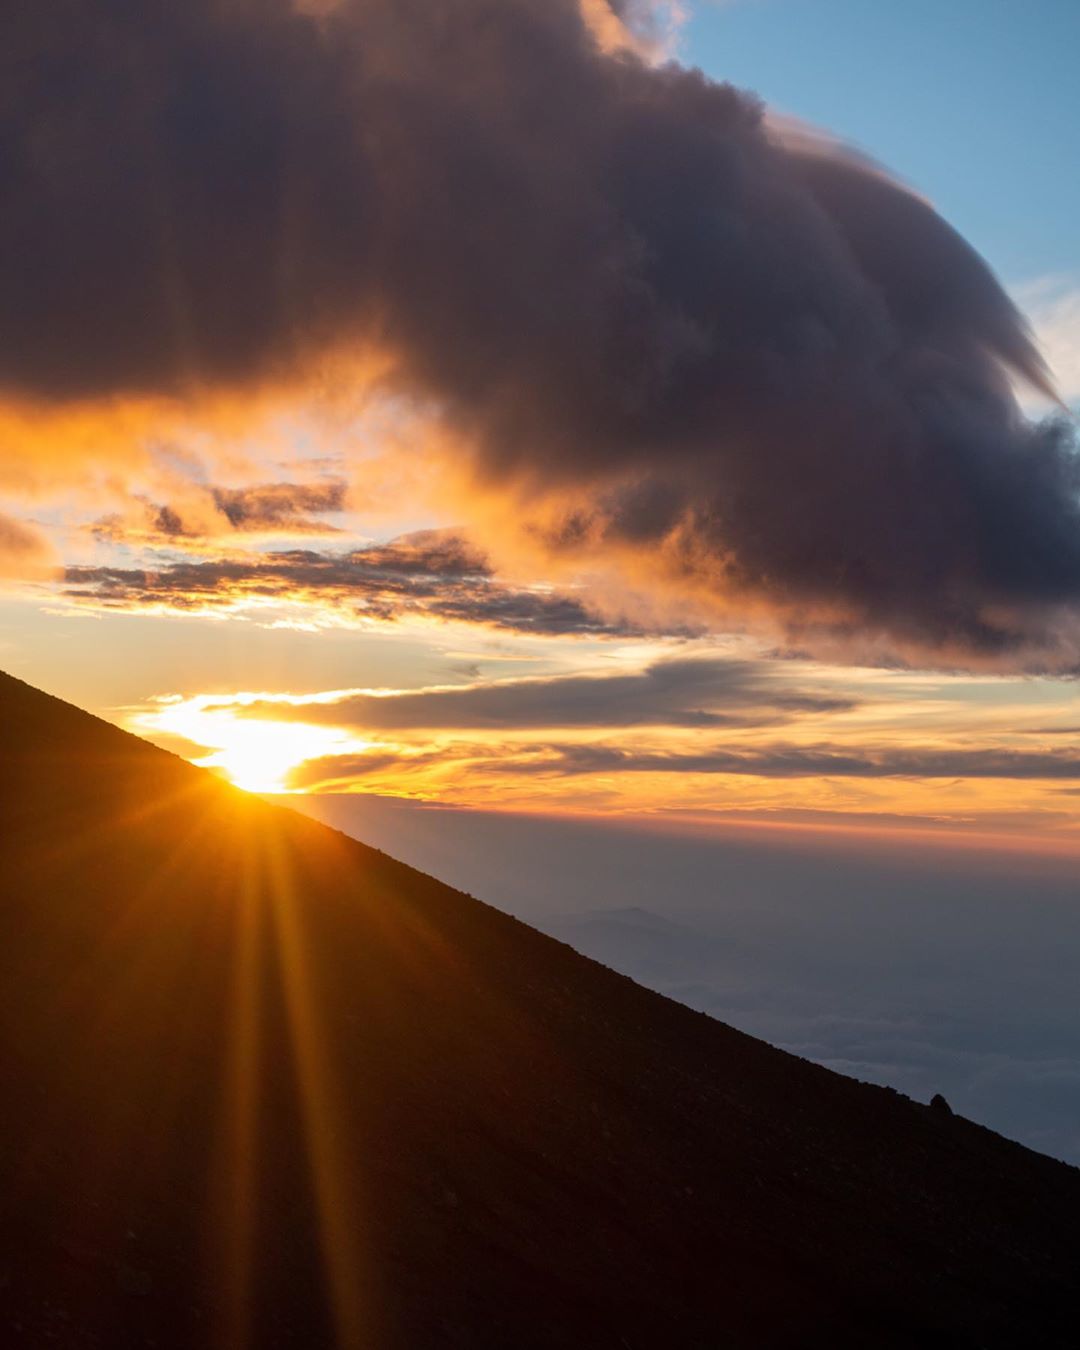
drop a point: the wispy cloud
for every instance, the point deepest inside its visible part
(1053, 307)
(816, 761)
(447, 764)
(694, 693)
(647, 28)
(428, 575)
(205, 513)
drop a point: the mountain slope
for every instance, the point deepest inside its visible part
(263, 1086)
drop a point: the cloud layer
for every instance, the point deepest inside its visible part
(692, 693)
(427, 575)
(731, 359)
(819, 761)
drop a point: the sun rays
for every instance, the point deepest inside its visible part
(273, 964)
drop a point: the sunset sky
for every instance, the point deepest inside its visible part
(303, 580)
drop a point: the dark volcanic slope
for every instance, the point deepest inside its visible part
(262, 1086)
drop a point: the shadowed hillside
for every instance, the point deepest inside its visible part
(262, 1086)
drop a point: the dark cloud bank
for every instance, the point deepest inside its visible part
(673, 331)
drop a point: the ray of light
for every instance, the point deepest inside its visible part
(332, 1176)
(235, 1189)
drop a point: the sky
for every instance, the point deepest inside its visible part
(360, 583)
(973, 103)
(648, 504)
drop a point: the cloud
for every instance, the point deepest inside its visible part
(647, 28)
(693, 693)
(1053, 306)
(434, 766)
(430, 574)
(329, 773)
(206, 512)
(277, 505)
(739, 366)
(797, 761)
(25, 553)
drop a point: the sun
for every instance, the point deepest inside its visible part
(256, 754)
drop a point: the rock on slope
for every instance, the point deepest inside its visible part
(263, 1086)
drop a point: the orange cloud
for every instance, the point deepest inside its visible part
(431, 575)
